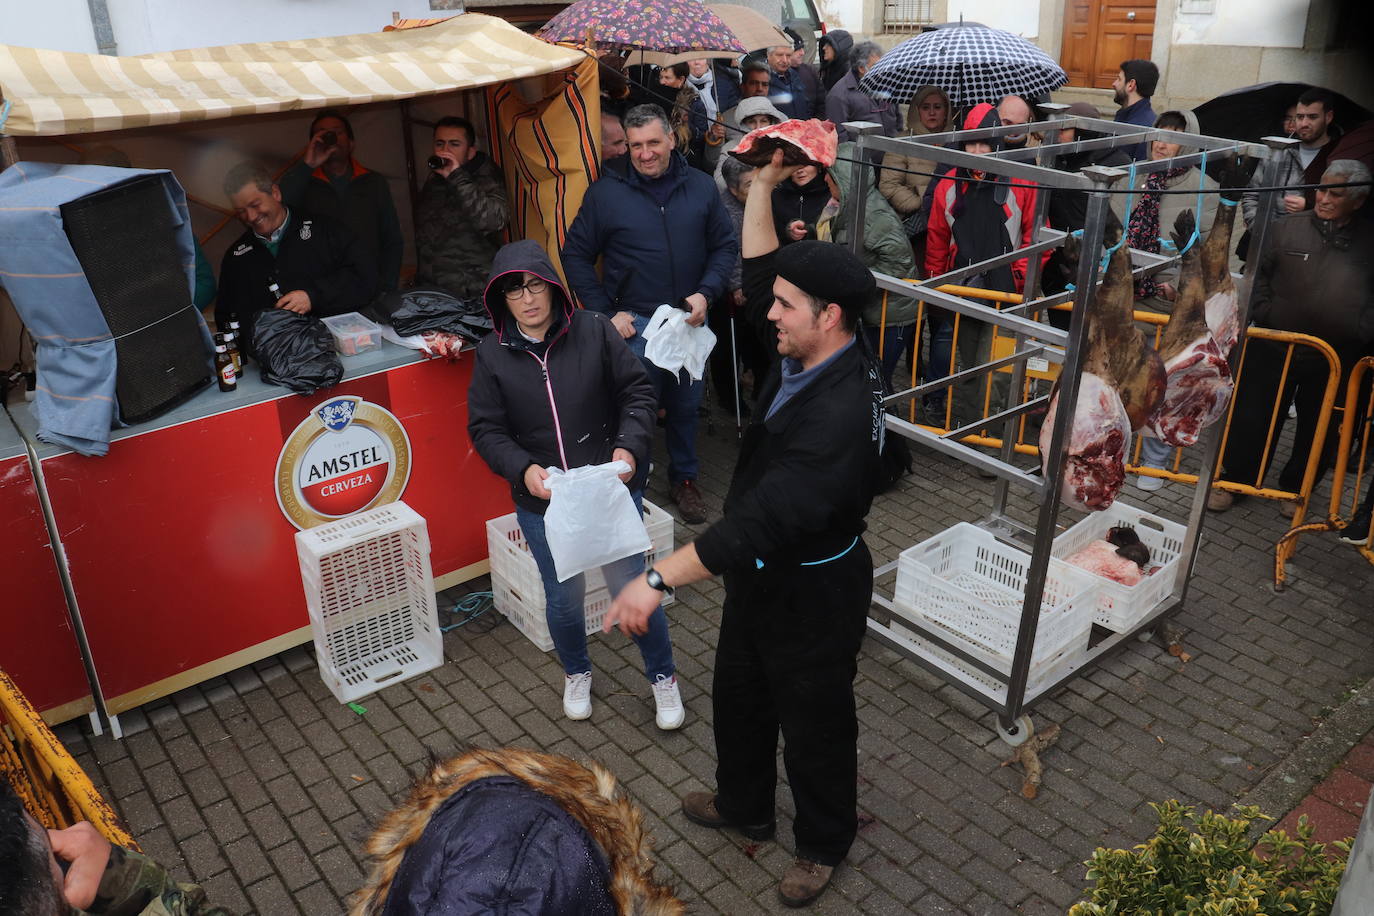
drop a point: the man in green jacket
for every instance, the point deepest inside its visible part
(889, 328)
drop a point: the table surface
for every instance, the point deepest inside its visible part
(251, 390)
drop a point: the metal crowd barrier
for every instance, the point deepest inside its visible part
(52, 785)
(1287, 543)
(1355, 446)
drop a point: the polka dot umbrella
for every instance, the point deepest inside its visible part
(970, 62)
(670, 26)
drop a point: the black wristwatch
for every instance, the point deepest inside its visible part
(655, 580)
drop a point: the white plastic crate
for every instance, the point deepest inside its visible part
(970, 585)
(1040, 676)
(1121, 607)
(370, 592)
(526, 611)
(518, 591)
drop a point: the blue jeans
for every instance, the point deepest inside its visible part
(895, 341)
(680, 397)
(1155, 453)
(941, 324)
(567, 616)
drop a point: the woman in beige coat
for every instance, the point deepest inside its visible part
(929, 114)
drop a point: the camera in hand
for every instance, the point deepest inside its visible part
(328, 139)
(435, 162)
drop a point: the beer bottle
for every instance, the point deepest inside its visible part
(240, 355)
(224, 366)
(231, 342)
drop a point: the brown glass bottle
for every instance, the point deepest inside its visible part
(224, 367)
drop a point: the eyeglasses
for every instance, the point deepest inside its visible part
(534, 287)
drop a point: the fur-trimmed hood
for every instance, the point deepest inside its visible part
(512, 831)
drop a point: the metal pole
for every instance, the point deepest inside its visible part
(1088, 262)
(860, 129)
(101, 714)
(1018, 370)
(9, 153)
(407, 129)
(1211, 447)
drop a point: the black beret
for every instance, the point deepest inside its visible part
(827, 271)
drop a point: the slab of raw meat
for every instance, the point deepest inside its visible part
(1101, 559)
(1095, 456)
(809, 142)
(1198, 382)
(1117, 351)
(1223, 305)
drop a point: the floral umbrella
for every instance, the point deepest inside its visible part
(671, 26)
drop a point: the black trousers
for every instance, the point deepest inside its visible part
(785, 663)
(1255, 396)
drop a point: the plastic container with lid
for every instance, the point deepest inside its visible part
(353, 333)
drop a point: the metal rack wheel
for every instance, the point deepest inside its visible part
(1021, 730)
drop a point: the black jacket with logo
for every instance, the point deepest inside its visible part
(323, 258)
(567, 403)
(805, 478)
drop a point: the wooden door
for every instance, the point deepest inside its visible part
(1100, 34)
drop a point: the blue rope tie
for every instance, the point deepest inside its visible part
(1197, 222)
(4, 115)
(1125, 223)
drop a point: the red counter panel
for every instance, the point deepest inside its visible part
(37, 646)
(184, 565)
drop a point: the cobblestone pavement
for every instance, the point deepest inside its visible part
(260, 786)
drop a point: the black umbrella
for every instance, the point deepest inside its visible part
(1257, 111)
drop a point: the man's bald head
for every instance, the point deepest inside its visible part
(1014, 110)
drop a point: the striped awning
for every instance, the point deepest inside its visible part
(54, 92)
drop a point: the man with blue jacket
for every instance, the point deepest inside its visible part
(663, 236)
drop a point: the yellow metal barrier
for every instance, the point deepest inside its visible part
(1287, 543)
(1357, 421)
(54, 788)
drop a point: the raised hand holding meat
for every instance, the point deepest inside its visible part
(809, 142)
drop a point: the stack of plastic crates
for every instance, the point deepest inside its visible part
(969, 587)
(518, 591)
(52, 785)
(370, 592)
(1121, 607)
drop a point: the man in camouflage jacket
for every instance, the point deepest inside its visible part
(460, 214)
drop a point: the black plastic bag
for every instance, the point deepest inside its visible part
(415, 311)
(295, 351)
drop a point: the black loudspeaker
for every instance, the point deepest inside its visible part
(125, 239)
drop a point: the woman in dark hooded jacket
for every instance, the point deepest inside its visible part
(557, 386)
(834, 48)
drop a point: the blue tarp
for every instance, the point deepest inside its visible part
(75, 401)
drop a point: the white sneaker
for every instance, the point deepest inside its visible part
(668, 704)
(577, 695)
(1149, 484)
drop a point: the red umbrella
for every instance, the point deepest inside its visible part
(671, 26)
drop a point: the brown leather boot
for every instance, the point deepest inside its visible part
(700, 808)
(689, 501)
(804, 882)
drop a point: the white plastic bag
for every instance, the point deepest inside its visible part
(673, 344)
(591, 519)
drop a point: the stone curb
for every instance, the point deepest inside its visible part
(1292, 779)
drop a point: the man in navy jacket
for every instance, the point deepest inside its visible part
(1132, 89)
(663, 236)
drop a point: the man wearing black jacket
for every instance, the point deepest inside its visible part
(663, 237)
(798, 576)
(287, 260)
